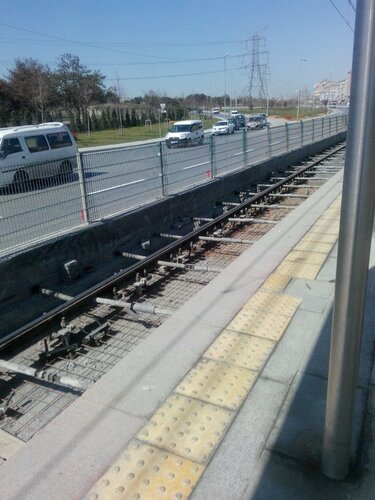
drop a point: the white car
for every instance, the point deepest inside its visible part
(223, 127)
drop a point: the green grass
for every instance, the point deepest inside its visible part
(133, 134)
(130, 134)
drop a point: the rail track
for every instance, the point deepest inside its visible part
(48, 363)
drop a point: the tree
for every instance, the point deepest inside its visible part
(77, 85)
(31, 86)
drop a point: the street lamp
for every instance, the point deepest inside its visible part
(299, 86)
(225, 85)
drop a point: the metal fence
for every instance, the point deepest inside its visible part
(108, 182)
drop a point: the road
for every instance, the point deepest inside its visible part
(120, 178)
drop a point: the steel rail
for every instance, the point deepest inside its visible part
(39, 325)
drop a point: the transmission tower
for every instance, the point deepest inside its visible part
(258, 69)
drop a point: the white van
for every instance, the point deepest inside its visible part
(185, 133)
(35, 151)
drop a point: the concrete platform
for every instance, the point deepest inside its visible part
(210, 405)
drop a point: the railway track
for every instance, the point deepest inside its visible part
(48, 363)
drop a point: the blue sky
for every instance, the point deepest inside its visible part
(154, 44)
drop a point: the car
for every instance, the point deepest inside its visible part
(233, 119)
(215, 111)
(30, 152)
(234, 112)
(185, 133)
(255, 123)
(241, 120)
(223, 127)
(263, 117)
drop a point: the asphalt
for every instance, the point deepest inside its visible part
(270, 445)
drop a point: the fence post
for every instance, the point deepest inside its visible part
(287, 136)
(269, 140)
(160, 154)
(244, 147)
(82, 186)
(313, 131)
(301, 122)
(211, 149)
(322, 127)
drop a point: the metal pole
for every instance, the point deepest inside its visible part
(225, 85)
(357, 213)
(82, 186)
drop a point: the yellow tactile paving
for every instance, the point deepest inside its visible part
(273, 302)
(187, 427)
(144, 472)
(260, 323)
(299, 270)
(171, 452)
(319, 237)
(327, 226)
(240, 349)
(300, 256)
(218, 383)
(276, 282)
(331, 214)
(314, 246)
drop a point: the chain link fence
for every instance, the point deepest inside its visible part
(107, 182)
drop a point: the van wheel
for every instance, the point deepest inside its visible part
(20, 181)
(66, 170)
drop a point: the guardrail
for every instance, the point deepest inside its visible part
(108, 182)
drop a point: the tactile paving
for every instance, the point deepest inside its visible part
(314, 246)
(143, 472)
(319, 237)
(218, 383)
(331, 214)
(299, 270)
(260, 323)
(187, 427)
(242, 350)
(326, 226)
(273, 302)
(276, 282)
(306, 257)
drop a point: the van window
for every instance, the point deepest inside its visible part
(10, 146)
(36, 143)
(196, 126)
(180, 128)
(59, 140)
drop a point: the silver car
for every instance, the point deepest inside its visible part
(223, 127)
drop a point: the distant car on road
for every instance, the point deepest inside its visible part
(234, 112)
(185, 133)
(215, 111)
(255, 123)
(241, 120)
(223, 127)
(263, 117)
(233, 119)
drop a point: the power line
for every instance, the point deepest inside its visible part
(351, 5)
(81, 43)
(102, 47)
(154, 77)
(344, 19)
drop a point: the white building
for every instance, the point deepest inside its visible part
(332, 91)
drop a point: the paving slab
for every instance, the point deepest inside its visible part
(66, 457)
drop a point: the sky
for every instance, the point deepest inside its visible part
(182, 47)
